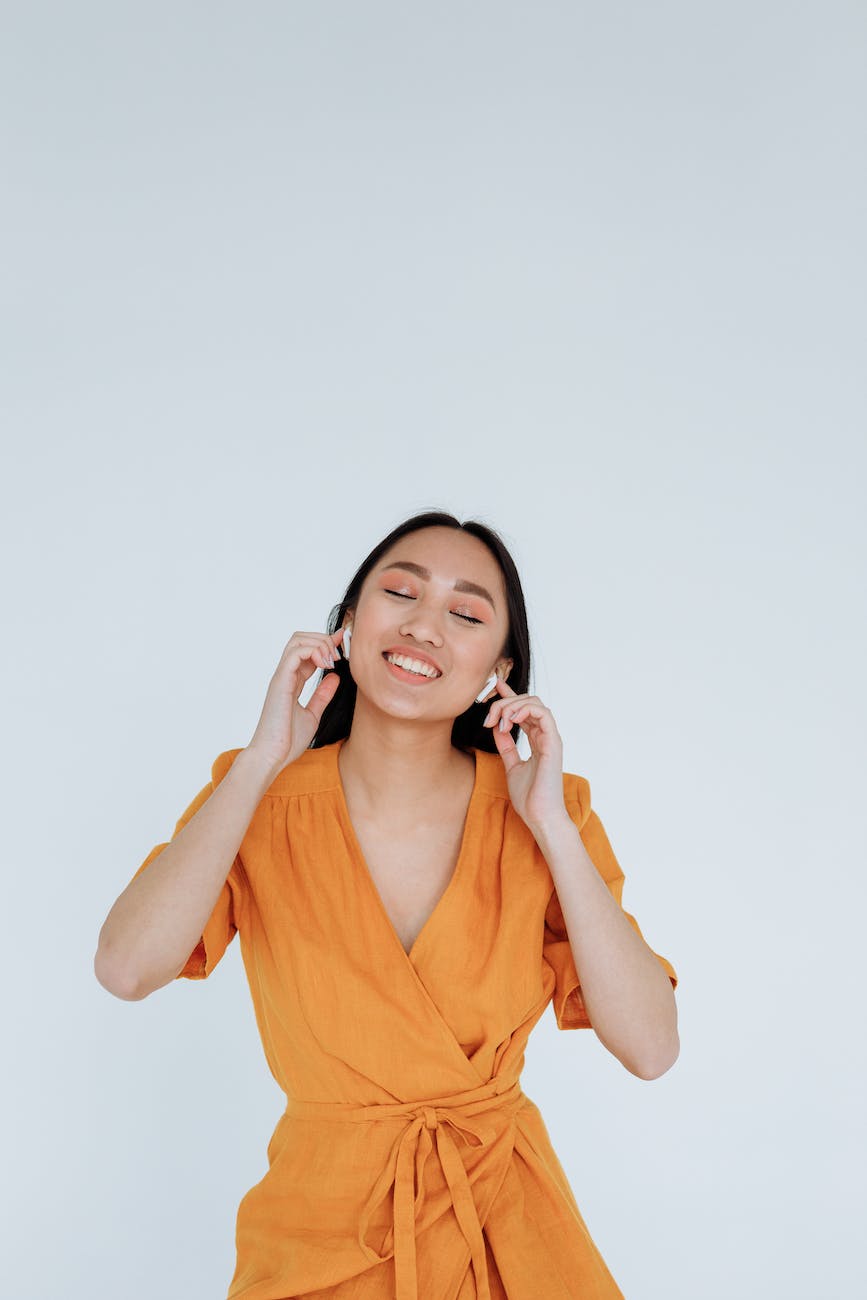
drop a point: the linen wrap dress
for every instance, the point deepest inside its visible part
(408, 1163)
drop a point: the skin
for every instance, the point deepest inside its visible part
(399, 762)
(399, 750)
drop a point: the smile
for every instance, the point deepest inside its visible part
(410, 670)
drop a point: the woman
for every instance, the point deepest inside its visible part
(410, 895)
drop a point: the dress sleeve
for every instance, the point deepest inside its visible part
(225, 919)
(569, 1008)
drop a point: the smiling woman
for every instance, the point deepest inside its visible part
(410, 896)
(471, 607)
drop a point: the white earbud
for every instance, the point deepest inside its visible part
(345, 642)
(488, 686)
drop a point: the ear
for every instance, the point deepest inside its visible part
(504, 668)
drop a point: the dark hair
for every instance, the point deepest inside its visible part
(336, 720)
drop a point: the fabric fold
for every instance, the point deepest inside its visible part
(478, 1116)
(408, 1157)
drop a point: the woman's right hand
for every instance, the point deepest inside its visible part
(286, 727)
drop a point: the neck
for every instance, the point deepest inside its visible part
(400, 764)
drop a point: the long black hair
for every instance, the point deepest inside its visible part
(336, 720)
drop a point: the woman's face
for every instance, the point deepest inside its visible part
(425, 599)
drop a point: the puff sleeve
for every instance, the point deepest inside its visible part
(569, 1008)
(225, 919)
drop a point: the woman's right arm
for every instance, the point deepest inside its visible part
(157, 921)
(159, 918)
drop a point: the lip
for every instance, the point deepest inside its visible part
(412, 654)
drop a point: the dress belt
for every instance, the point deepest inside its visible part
(459, 1111)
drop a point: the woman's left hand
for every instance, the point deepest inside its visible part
(536, 783)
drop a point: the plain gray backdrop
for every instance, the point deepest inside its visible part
(277, 275)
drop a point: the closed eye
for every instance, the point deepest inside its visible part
(404, 596)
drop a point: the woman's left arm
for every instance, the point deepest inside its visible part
(627, 992)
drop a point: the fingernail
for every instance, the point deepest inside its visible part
(487, 718)
(502, 724)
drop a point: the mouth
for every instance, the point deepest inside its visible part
(407, 675)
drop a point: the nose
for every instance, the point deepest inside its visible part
(422, 626)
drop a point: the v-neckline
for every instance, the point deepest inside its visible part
(356, 846)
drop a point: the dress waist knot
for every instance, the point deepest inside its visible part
(477, 1116)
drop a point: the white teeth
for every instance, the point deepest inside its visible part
(413, 665)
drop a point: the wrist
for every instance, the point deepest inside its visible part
(557, 828)
(261, 767)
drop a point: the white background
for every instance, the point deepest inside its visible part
(277, 276)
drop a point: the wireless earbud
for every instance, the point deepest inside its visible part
(344, 645)
(488, 686)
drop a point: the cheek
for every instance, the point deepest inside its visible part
(473, 662)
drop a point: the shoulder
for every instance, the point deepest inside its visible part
(576, 789)
(312, 771)
(221, 765)
(576, 796)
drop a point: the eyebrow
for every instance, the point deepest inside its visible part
(462, 584)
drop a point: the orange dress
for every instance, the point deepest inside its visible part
(408, 1163)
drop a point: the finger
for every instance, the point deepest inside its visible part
(487, 699)
(322, 696)
(535, 713)
(514, 711)
(321, 654)
(334, 640)
(312, 655)
(329, 645)
(329, 639)
(497, 707)
(510, 701)
(508, 750)
(324, 643)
